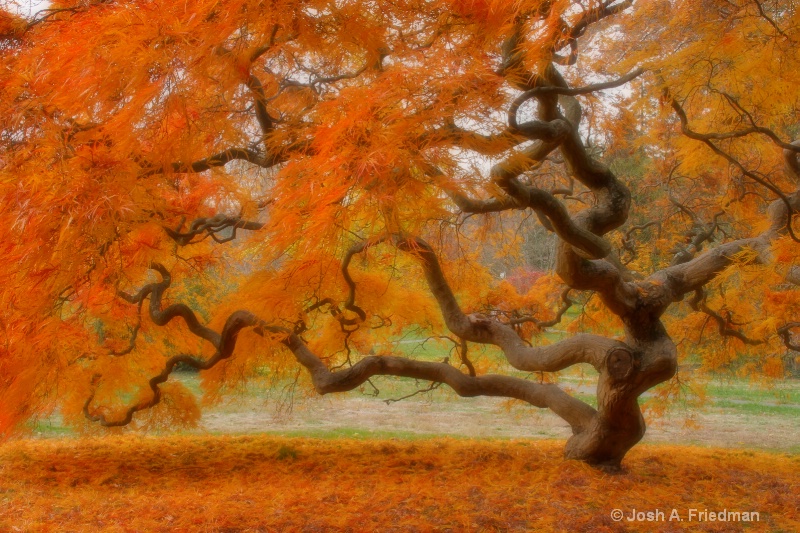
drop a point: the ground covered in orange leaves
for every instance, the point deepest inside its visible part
(265, 483)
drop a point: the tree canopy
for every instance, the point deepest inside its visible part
(242, 185)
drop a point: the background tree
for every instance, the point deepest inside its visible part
(226, 185)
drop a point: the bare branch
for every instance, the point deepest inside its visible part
(433, 386)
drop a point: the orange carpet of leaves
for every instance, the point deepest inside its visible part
(266, 483)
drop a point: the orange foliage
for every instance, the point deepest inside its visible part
(115, 118)
(279, 484)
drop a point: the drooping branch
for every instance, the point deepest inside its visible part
(769, 19)
(357, 248)
(430, 388)
(714, 136)
(134, 334)
(324, 80)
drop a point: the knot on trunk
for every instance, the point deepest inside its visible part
(621, 363)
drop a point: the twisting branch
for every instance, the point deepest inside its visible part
(223, 342)
(335, 312)
(564, 91)
(265, 120)
(490, 205)
(505, 174)
(210, 227)
(460, 346)
(465, 358)
(609, 211)
(701, 233)
(512, 50)
(357, 248)
(627, 239)
(566, 303)
(698, 303)
(785, 333)
(604, 10)
(578, 414)
(218, 160)
(590, 349)
(487, 144)
(134, 334)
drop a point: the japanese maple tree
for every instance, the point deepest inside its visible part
(246, 184)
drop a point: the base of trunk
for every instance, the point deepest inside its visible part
(604, 444)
